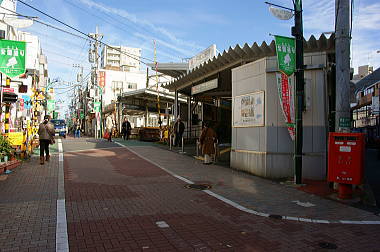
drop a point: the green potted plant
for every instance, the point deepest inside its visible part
(5, 148)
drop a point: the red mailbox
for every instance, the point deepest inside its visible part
(346, 158)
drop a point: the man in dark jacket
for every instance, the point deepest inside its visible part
(126, 129)
(179, 128)
(46, 133)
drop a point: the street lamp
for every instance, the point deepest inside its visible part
(297, 32)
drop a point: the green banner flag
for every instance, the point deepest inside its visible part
(12, 57)
(286, 54)
(81, 115)
(50, 105)
(55, 115)
(97, 106)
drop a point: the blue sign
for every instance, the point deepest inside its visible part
(27, 101)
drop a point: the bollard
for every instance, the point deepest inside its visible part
(197, 147)
(170, 142)
(216, 151)
(182, 147)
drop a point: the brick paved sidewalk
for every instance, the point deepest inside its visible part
(253, 192)
(116, 201)
(28, 199)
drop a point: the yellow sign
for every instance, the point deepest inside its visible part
(40, 97)
(16, 138)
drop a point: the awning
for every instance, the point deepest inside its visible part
(172, 69)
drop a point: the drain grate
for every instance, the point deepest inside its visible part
(327, 245)
(198, 186)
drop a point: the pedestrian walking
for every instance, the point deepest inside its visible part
(179, 128)
(109, 127)
(46, 135)
(77, 129)
(126, 129)
(207, 140)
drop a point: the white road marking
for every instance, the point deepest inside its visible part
(61, 236)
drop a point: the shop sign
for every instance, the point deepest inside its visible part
(16, 138)
(8, 90)
(12, 57)
(50, 105)
(27, 102)
(285, 86)
(204, 87)
(286, 54)
(97, 106)
(101, 79)
(202, 57)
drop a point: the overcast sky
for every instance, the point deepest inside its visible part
(183, 28)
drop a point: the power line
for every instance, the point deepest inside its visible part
(75, 29)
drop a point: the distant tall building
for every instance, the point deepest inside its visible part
(121, 58)
(363, 71)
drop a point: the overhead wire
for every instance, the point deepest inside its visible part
(96, 40)
(111, 23)
(86, 35)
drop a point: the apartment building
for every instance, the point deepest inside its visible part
(121, 58)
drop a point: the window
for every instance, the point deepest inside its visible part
(131, 85)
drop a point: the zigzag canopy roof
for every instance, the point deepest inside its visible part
(238, 55)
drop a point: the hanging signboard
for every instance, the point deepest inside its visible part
(50, 105)
(249, 110)
(285, 86)
(286, 54)
(204, 86)
(12, 57)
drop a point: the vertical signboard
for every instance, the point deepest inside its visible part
(102, 79)
(12, 57)
(286, 54)
(285, 86)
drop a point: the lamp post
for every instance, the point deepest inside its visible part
(297, 32)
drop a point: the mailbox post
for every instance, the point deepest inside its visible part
(346, 161)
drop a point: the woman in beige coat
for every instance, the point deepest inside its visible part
(207, 140)
(46, 132)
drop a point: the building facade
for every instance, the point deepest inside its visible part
(121, 58)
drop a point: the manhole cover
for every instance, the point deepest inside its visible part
(198, 186)
(275, 216)
(327, 245)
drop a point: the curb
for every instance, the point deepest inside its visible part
(250, 211)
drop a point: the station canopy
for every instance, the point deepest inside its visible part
(219, 67)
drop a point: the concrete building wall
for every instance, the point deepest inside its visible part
(126, 81)
(267, 151)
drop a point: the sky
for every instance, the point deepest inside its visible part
(184, 28)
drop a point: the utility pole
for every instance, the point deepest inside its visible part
(97, 37)
(342, 55)
(297, 31)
